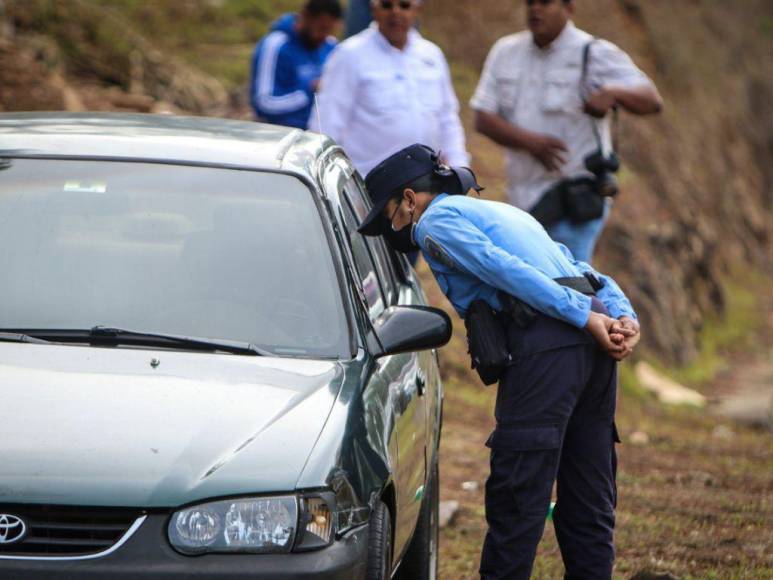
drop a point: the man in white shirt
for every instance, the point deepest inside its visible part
(386, 88)
(545, 94)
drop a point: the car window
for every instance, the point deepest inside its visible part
(355, 190)
(381, 260)
(363, 262)
(360, 203)
(384, 264)
(205, 252)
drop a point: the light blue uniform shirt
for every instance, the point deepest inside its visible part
(477, 247)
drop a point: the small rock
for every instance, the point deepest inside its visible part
(667, 391)
(142, 103)
(723, 432)
(470, 486)
(639, 438)
(446, 512)
(748, 408)
(165, 108)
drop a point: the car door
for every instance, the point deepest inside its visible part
(405, 374)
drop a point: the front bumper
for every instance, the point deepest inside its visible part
(148, 555)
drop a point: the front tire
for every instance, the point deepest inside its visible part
(421, 559)
(380, 544)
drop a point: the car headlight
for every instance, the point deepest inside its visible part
(248, 525)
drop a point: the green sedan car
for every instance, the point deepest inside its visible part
(205, 371)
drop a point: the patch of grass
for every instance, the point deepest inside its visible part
(732, 331)
(197, 23)
(629, 383)
(766, 25)
(230, 64)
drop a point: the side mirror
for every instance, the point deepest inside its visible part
(412, 328)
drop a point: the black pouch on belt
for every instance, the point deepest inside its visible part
(486, 341)
(550, 207)
(582, 200)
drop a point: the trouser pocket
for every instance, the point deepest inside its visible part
(523, 466)
(524, 461)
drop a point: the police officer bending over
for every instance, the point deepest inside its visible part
(561, 327)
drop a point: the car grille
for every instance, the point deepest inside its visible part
(68, 530)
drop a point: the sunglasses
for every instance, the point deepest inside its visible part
(540, 2)
(402, 4)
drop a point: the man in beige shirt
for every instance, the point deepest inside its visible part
(545, 94)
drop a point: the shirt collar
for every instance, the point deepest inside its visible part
(438, 198)
(560, 41)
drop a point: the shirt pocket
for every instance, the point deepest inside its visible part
(379, 93)
(507, 87)
(430, 89)
(562, 92)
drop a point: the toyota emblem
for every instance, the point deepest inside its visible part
(12, 529)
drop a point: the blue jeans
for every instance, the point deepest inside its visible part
(357, 17)
(579, 238)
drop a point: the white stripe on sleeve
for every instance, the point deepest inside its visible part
(264, 86)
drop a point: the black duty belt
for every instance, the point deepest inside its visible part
(588, 283)
(522, 314)
(487, 329)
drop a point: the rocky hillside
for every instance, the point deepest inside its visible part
(693, 223)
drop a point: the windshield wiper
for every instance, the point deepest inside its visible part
(123, 335)
(115, 336)
(18, 337)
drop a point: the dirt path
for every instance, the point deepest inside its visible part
(744, 394)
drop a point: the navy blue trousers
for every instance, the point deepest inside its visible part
(555, 423)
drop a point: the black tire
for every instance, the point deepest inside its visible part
(380, 543)
(421, 559)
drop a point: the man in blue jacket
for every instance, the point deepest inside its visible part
(287, 63)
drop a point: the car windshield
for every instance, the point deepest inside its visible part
(194, 251)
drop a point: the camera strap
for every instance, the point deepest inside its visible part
(585, 92)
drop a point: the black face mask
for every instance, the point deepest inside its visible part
(402, 240)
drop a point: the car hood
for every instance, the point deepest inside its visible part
(103, 426)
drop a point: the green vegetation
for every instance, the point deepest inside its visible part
(97, 37)
(732, 331)
(629, 384)
(722, 335)
(217, 37)
(201, 23)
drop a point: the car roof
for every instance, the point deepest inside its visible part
(162, 138)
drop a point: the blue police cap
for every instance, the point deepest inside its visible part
(388, 178)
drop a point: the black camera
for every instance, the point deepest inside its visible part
(604, 167)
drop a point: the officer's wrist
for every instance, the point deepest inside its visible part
(592, 316)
